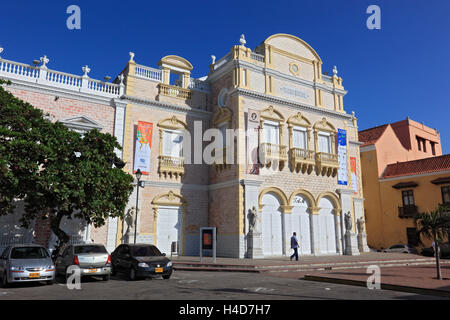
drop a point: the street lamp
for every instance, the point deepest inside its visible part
(138, 177)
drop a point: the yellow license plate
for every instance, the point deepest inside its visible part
(34, 275)
(92, 270)
(159, 270)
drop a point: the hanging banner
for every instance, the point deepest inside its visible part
(342, 156)
(354, 176)
(143, 147)
(253, 122)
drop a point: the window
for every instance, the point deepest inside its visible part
(299, 138)
(145, 251)
(445, 195)
(324, 142)
(29, 253)
(408, 198)
(433, 148)
(271, 132)
(173, 144)
(421, 144)
(89, 249)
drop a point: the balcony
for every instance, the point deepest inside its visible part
(174, 92)
(171, 166)
(327, 163)
(302, 160)
(270, 153)
(409, 211)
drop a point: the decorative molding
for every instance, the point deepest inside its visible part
(172, 123)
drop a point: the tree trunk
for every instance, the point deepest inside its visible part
(54, 225)
(438, 266)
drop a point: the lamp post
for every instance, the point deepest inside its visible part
(138, 177)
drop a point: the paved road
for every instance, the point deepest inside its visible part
(202, 286)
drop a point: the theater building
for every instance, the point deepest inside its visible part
(292, 160)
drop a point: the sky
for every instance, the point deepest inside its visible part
(400, 70)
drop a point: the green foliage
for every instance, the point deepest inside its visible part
(39, 165)
(435, 224)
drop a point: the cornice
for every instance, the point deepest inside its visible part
(164, 106)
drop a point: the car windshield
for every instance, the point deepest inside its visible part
(89, 249)
(145, 251)
(29, 253)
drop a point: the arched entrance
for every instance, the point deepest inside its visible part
(327, 226)
(301, 222)
(168, 228)
(272, 225)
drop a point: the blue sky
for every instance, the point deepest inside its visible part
(401, 70)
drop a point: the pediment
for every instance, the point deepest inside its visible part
(81, 123)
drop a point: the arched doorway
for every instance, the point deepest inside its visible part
(327, 226)
(301, 223)
(168, 228)
(272, 225)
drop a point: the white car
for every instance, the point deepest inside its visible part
(401, 248)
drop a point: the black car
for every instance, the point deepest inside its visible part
(444, 251)
(140, 261)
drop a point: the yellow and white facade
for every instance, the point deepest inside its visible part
(296, 189)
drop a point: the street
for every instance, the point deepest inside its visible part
(188, 285)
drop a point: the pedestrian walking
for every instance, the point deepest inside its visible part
(294, 245)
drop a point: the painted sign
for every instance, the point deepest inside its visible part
(143, 147)
(342, 156)
(253, 123)
(354, 176)
(294, 92)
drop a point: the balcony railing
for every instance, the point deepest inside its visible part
(327, 163)
(174, 91)
(171, 166)
(409, 211)
(302, 160)
(270, 152)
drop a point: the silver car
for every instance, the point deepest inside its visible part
(26, 263)
(401, 248)
(92, 259)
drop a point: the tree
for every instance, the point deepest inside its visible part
(57, 172)
(435, 226)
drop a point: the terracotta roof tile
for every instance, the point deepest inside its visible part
(407, 168)
(370, 136)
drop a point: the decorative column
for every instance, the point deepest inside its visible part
(252, 219)
(43, 69)
(314, 222)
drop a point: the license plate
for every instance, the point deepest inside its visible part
(34, 275)
(159, 270)
(92, 270)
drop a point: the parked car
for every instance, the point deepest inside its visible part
(444, 251)
(26, 263)
(401, 248)
(92, 259)
(140, 261)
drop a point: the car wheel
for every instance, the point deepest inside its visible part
(167, 277)
(113, 270)
(132, 274)
(106, 277)
(5, 283)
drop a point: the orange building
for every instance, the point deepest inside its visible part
(403, 173)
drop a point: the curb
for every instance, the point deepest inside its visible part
(384, 286)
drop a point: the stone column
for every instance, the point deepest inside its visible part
(254, 237)
(314, 221)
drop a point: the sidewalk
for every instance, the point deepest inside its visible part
(414, 279)
(280, 264)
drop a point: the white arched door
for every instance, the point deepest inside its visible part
(168, 228)
(272, 227)
(327, 227)
(301, 224)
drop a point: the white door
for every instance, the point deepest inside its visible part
(327, 228)
(272, 230)
(168, 228)
(300, 223)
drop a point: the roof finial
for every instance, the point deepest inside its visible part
(213, 59)
(131, 56)
(44, 61)
(86, 70)
(242, 40)
(1, 50)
